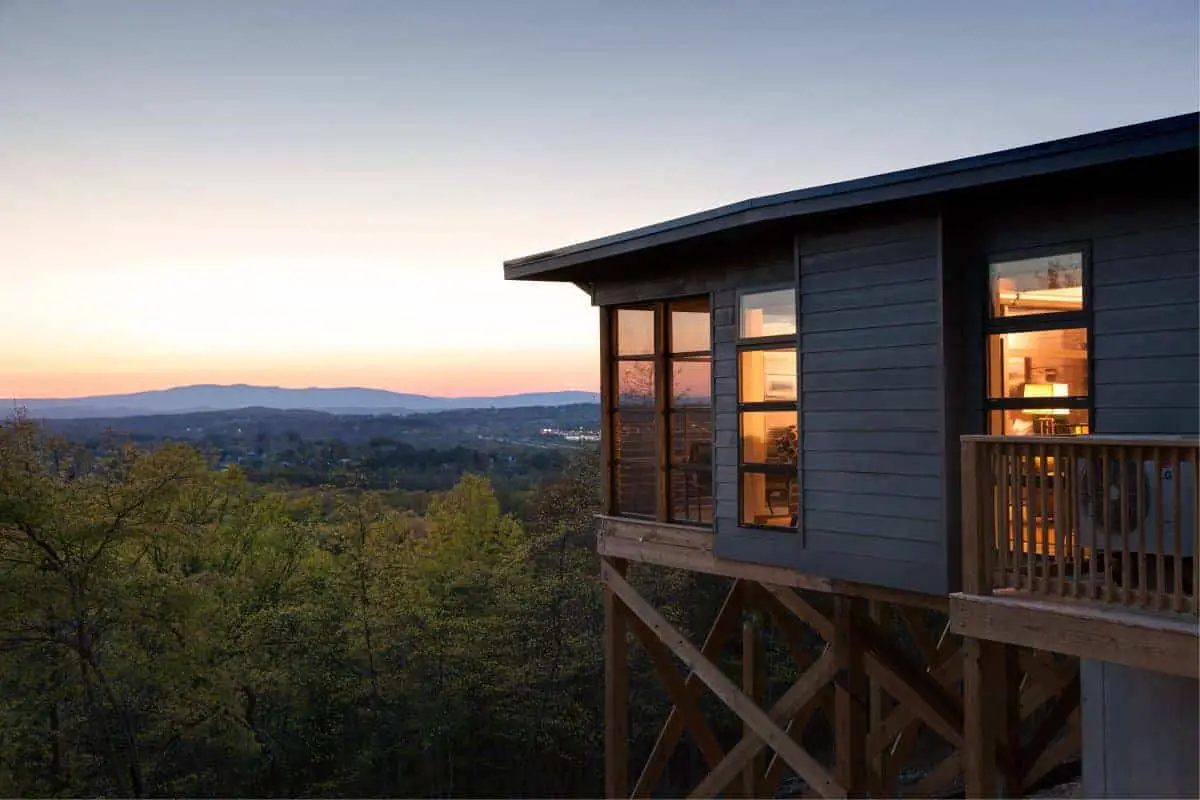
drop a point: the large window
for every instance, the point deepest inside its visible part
(769, 441)
(661, 410)
(1038, 346)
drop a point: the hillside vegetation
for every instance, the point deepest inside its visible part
(171, 628)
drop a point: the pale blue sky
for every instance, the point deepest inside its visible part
(301, 192)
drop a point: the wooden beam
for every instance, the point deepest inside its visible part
(768, 729)
(638, 540)
(804, 692)
(851, 695)
(696, 560)
(945, 668)
(1159, 642)
(914, 623)
(754, 685)
(616, 689)
(880, 760)
(675, 534)
(668, 737)
(912, 685)
(1049, 728)
(1046, 681)
(921, 695)
(822, 700)
(787, 598)
(683, 699)
(1059, 752)
(936, 782)
(902, 720)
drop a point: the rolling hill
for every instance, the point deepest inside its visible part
(343, 400)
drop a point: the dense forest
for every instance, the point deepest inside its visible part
(406, 457)
(170, 627)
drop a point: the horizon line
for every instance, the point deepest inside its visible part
(302, 389)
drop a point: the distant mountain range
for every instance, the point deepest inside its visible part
(348, 400)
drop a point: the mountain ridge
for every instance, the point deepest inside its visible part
(232, 397)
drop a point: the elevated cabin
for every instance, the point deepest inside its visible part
(906, 388)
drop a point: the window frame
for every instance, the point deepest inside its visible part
(761, 344)
(1081, 319)
(613, 395)
(663, 410)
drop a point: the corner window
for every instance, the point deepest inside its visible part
(768, 419)
(660, 406)
(1037, 345)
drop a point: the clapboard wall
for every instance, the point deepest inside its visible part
(871, 405)
(1139, 229)
(872, 466)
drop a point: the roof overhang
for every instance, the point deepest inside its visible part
(1158, 137)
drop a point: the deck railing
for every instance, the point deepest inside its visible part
(1108, 519)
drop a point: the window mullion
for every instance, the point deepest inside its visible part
(607, 392)
(662, 392)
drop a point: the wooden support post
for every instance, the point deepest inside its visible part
(851, 696)
(991, 713)
(616, 689)
(880, 763)
(753, 685)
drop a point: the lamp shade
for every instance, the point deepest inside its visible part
(1038, 390)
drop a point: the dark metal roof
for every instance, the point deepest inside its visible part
(1157, 137)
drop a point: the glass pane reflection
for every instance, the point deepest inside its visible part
(635, 383)
(767, 314)
(635, 332)
(690, 326)
(691, 382)
(1037, 285)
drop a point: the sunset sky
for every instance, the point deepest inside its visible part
(302, 193)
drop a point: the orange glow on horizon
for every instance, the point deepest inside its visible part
(449, 375)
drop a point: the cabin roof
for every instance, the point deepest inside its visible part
(1157, 137)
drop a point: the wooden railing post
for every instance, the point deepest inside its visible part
(976, 505)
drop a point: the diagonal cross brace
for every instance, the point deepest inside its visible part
(671, 732)
(793, 702)
(797, 758)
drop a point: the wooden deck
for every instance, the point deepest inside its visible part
(1155, 641)
(1083, 547)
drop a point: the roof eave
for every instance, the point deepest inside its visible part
(1159, 137)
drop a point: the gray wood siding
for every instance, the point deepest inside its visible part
(871, 403)
(1145, 279)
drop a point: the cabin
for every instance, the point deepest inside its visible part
(946, 420)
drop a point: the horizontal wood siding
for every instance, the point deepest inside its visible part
(1141, 229)
(871, 408)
